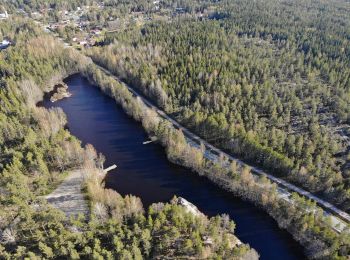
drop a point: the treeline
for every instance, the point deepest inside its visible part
(303, 219)
(36, 153)
(241, 85)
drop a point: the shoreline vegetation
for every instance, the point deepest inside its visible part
(310, 229)
(59, 92)
(170, 221)
(36, 150)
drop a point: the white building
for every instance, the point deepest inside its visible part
(4, 15)
(4, 44)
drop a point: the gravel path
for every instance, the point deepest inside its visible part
(68, 196)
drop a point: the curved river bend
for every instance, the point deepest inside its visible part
(144, 171)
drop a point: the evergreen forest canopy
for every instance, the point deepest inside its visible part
(36, 153)
(266, 80)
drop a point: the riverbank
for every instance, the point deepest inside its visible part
(261, 192)
(145, 171)
(337, 224)
(212, 153)
(102, 205)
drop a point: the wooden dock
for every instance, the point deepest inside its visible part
(110, 168)
(153, 139)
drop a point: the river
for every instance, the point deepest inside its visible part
(144, 171)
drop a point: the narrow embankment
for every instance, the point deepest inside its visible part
(68, 196)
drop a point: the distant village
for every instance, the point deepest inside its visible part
(75, 27)
(4, 43)
(86, 34)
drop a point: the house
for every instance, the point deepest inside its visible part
(4, 44)
(180, 10)
(36, 15)
(83, 43)
(4, 15)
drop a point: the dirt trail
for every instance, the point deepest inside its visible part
(68, 196)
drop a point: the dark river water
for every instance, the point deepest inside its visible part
(144, 171)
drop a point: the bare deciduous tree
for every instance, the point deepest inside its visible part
(100, 211)
(30, 92)
(8, 236)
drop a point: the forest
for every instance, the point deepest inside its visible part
(37, 152)
(268, 81)
(302, 218)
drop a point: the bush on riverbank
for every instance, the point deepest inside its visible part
(309, 228)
